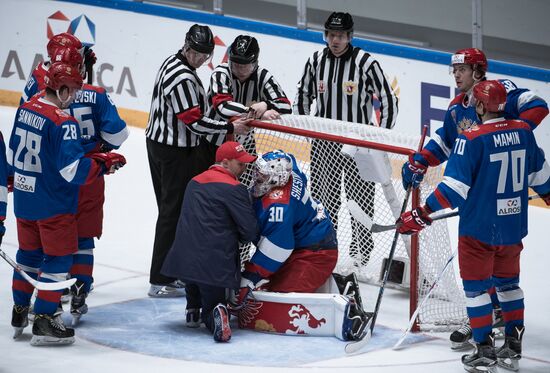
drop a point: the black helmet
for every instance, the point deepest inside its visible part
(244, 50)
(339, 21)
(200, 39)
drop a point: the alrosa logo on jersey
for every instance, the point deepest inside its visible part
(508, 206)
(24, 183)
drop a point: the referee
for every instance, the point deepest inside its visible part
(176, 153)
(342, 80)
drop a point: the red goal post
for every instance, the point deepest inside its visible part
(349, 161)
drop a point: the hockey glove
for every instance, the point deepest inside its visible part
(111, 161)
(545, 198)
(413, 171)
(242, 295)
(412, 222)
(89, 57)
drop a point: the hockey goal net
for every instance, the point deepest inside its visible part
(355, 162)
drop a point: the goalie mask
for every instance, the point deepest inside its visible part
(271, 170)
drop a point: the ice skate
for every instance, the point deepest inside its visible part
(483, 359)
(19, 319)
(498, 323)
(193, 317)
(222, 330)
(48, 331)
(78, 302)
(510, 353)
(460, 338)
(66, 296)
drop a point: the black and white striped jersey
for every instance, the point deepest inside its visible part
(343, 88)
(178, 105)
(228, 97)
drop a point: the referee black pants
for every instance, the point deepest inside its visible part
(171, 168)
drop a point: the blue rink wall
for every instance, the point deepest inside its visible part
(497, 67)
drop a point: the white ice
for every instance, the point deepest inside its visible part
(122, 315)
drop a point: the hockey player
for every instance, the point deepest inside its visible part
(491, 167)
(297, 250)
(35, 83)
(240, 85)
(469, 67)
(102, 130)
(48, 161)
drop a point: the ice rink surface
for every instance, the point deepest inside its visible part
(125, 331)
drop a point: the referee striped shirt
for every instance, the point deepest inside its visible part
(229, 97)
(343, 88)
(179, 100)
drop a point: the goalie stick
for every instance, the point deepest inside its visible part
(362, 217)
(355, 346)
(37, 284)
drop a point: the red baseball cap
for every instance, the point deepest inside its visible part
(233, 150)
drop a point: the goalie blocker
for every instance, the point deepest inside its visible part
(335, 310)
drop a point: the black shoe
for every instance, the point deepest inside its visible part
(47, 331)
(510, 353)
(19, 319)
(483, 359)
(460, 338)
(193, 317)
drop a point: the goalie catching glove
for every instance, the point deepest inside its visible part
(412, 222)
(413, 171)
(111, 161)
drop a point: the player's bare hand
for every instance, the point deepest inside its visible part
(271, 115)
(260, 108)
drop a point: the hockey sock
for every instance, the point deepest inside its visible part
(83, 262)
(511, 300)
(54, 268)
(29, 261)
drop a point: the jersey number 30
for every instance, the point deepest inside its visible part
(275, 214)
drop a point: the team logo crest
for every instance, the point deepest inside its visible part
(349, 87)
(464, 124)
(321, 86)
(276, 194)
(241, 46)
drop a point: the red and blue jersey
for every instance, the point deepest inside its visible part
(35, 83)
(47, 160)
(289, 219)
(488, 177)
(98, 118)
(521, 104)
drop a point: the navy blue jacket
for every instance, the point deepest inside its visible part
(216, 215)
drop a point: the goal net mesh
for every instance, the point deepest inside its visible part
(339, 173)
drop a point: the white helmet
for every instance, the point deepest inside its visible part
(271, 170)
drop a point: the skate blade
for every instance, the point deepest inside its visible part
(75, 320)
(509, 364)
(459, 346)
(45, 340)
(482, 369)
(17, 332)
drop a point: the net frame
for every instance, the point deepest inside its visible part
(370, 137)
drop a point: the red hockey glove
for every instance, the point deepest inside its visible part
(112, 161)
(414, 221)
(242, 295)
(546, 198)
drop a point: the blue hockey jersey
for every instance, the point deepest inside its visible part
(520, 104)
(3, 179)
(98, 118)
(47, 160)
(289, 218)
(487, 178)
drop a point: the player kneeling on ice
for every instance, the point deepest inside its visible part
(216, 215)
(296, 253)
(488, 177)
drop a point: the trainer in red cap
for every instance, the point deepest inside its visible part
(233, 150)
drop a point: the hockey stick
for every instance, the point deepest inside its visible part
(417, 311)
(364, 219)
(357, 345)
(37, 284)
